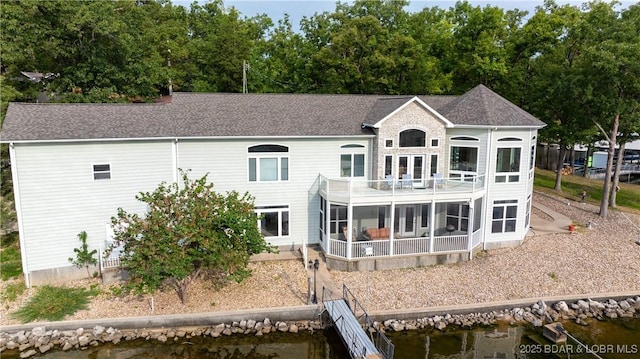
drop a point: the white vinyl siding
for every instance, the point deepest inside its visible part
(307, 159)
(70, 200)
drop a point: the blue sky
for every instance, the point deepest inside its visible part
(296, 9)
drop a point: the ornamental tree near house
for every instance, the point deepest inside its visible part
(188, 231)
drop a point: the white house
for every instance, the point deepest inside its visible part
(375, 181)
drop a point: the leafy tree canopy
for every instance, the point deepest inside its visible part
(189, 231)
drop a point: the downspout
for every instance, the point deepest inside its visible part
(18, 206)
(174, 154)
(487, 183)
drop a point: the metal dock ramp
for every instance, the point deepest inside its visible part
(368, 343)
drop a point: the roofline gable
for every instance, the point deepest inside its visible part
(415, 99)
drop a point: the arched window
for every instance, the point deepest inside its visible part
(268, 148)
(464, 138)
(412, 138)
(268, 163)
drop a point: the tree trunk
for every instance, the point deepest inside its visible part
(586, 162)
(572, 157)
(562, 152)
(616, 177)
(606, 192)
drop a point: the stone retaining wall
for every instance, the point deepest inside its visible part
(40, 339)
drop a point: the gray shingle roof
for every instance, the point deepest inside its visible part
(481, 106)
(244, 115)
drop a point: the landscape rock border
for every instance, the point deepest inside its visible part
(40, 339)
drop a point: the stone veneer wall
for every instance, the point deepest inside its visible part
(413, 116)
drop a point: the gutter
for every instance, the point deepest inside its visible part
(184, 138)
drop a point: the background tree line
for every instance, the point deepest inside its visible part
(576, 68)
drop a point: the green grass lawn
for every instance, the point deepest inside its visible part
(10, 261)
(54, 303)
(572, 186)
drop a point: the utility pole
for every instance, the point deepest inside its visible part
(169, 66)
(244, 76)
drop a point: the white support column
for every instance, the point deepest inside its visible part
(392, 231)
(349, 230)
(470, 229)
(327, 223)
(432, 224)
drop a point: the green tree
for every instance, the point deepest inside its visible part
(609, 76)
(219, 43)
(552, 66)
(84, 257)
(188, 231)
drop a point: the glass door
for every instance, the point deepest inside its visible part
(411, 170)
(405, 221)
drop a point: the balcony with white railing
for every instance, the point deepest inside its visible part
(361, 191)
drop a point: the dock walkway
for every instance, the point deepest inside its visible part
(359, 343)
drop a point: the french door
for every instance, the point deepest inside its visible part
(405, 220)
(411, 168)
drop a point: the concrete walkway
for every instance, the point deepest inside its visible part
(559, 223)
(323, 277)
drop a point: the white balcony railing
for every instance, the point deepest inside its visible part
(352, 187)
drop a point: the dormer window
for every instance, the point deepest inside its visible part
(413, 138)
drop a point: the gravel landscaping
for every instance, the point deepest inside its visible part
(603, 259)
(599, 260)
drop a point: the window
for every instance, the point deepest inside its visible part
(274, 221)
(477, 214)
(464, 159)
(338, 219)
(425, 210)
(323, 216)
(268, 163)
(388, 166)
(533, 157)
(434, 164)
(388, 143)
(458, 216)
(465, 138)
(352, 165)
(435, 142)
(508, 164)
(504, 216)
(527, 217)
(412, 138)
(102, 172)
(382, 215)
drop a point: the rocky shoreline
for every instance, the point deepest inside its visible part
(40, 340)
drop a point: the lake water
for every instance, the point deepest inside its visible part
(618, 339)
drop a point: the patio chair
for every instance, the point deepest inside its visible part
(439, 182)
(389, 180)
(407, 181)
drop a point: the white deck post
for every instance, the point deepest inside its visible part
(470, 230)
(432, 221)
(349, 230)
